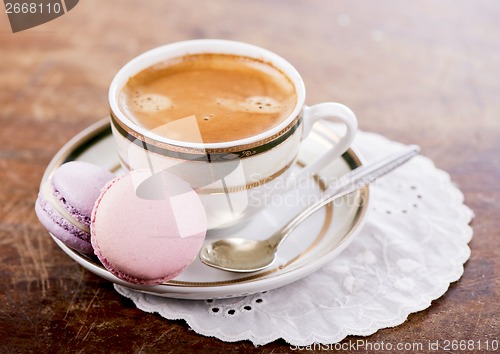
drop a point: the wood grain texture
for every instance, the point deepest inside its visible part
(422, 72)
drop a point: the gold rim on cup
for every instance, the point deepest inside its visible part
(205, 154)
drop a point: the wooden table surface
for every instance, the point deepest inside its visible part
(424, 72)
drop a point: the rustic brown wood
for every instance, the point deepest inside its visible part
(425, 72)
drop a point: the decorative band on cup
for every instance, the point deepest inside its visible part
(232, 189)
(205, 155)
(246, 186)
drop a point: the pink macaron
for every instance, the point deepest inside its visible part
(147, 228)
(64, 204)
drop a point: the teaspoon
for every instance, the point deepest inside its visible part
(248, 255)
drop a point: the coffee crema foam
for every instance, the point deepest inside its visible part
(209, 98)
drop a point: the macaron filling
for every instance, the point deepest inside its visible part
(61, 221)
(59, 204)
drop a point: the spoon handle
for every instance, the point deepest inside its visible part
(348, 183)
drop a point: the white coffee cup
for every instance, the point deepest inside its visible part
(224, 174)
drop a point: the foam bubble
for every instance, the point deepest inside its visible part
(261, 104)
(152, 102)
(254, 104)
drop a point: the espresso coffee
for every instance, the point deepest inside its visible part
(209, 98)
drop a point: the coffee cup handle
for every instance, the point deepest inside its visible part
(333, 112)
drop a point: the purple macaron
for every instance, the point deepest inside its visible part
(65, 202)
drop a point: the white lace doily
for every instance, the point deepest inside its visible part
(412, 247)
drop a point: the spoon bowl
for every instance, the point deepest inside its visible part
(238, 254)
